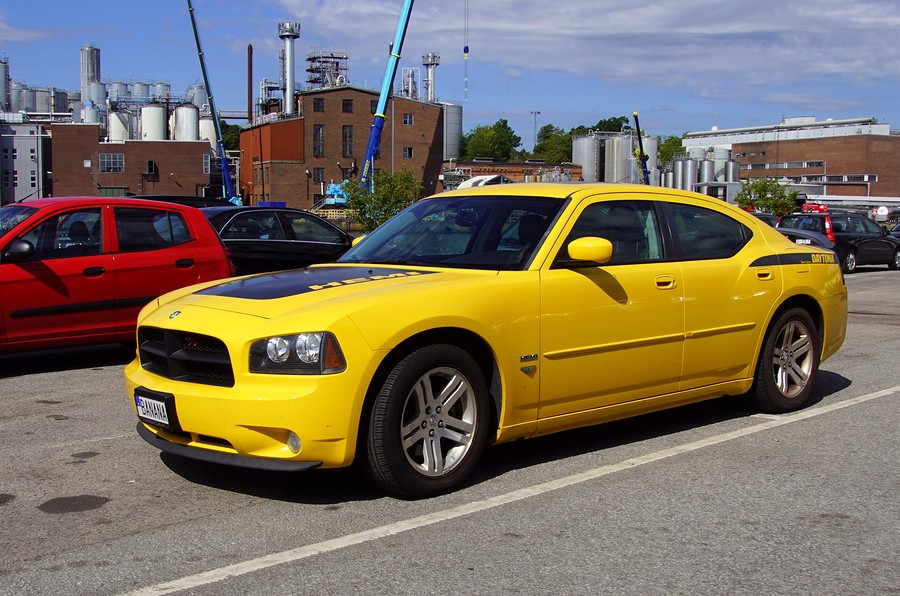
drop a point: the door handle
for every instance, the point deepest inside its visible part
(184, 263)
(94, 271)
(666, 282)
(764, 274)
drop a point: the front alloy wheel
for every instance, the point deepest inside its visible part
(428, 423)
(895, 260)
(788, 364)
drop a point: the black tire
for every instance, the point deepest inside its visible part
(428, 424)
(894, 263)
(848, 264)
(788, 364)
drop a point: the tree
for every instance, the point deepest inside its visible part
(768, 195)
(668, 147)
(554, 145)
(612, 124)
(496, 142)
(392, 193)
(231, 136)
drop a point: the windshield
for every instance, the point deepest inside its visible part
(483, 232)
(13, 215)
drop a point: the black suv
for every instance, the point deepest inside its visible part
(857, 239)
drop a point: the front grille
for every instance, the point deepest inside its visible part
(185, 356)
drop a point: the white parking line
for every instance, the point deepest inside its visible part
(304, 552)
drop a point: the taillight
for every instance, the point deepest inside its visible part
(828, 231)
(232, 271)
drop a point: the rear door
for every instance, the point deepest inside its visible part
(65, 291)
(156, 252)
(873, 246)
(314, 240)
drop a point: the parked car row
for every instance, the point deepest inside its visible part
(76, 270)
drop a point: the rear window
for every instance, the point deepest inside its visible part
(803, 222)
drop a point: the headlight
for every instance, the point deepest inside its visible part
(299, 354)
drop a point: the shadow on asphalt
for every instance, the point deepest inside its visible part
(61, 359)
(332, 487)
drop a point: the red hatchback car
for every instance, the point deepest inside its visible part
(77, 270)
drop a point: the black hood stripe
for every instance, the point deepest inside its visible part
(301, 281)
(809, 258)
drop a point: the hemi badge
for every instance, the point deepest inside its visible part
(174, 314)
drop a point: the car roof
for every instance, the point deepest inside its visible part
(236, 208)
(47, 202)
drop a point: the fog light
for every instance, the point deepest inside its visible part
(293, 442)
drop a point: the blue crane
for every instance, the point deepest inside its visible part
(223, 158)
(368, 168)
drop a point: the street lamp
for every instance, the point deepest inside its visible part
(535, 113)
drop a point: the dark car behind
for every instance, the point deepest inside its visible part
(857, 239)
(263, 239)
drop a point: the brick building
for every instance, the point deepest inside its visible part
(82, 163)
(292, 159)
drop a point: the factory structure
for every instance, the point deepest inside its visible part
(132, 137)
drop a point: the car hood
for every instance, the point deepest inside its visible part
(275, 295)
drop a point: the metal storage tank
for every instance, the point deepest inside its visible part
(678, 174)
(153, 122)
(732, 171)
(15, 97)
(140, 90)
(118, 91)
(208, 131)
(197, 95)
(42, 101)
(28, 100)
(707, 170)
(651, 148)
(162, 90)
(119, 126)
(697, 153)
(453, 116)
(97, 93)
(618, 152)
(586, 152)
(668, 178)
(689, 177)
(186, 125)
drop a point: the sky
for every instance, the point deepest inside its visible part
(684, 65)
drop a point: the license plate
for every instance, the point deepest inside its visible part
(803, 241)
(152, 410)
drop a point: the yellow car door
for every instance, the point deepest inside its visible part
(610, 332)
(727, 298)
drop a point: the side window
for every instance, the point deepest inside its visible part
(70, 234)
(149, 229)
(256, 225)
(706, 234)
(870, 226)
(311, 230)
(631, 226)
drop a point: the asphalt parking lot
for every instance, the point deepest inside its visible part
(707, 499)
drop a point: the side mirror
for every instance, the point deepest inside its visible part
(18, 250)
(357, 240)
(590, 248)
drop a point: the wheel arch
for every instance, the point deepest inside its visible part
(469, 341)
(804, 301)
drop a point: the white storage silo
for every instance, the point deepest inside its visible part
(90, 114)
(42, 103)
(97, 93)
(197, 95)
(5, 99)
(208, 131)
(186, 125)
(118, 91)
(119, 126)
(153, 122)
(689, 176)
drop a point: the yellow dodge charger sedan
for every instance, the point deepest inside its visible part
(482, 316)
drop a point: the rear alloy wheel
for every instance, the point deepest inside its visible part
(849, 262)
(429, 423)
(788, 363)
(895, 260)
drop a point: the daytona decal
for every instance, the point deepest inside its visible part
(300, 281)
(811, 258)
